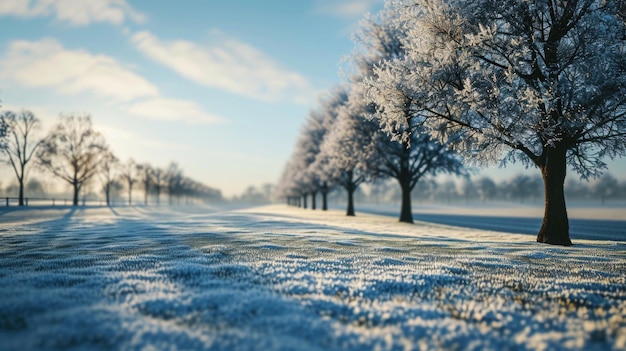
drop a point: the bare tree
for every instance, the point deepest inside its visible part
(173, 181)
(72, 151)
(109, 166)
(20, 146)
(145, 175)
(129, 174)
(158, 177)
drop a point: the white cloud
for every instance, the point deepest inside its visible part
(233, 66)
(349, 9)
(46, 63)
(173, 110)
(74, 12)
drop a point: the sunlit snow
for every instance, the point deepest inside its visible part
(279, 278)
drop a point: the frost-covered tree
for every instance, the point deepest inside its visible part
(158, 182)
(145, 173)
(108, 171)
(305, 173)
(72, 151)
(173, 178)
(542, 82)
(348, 150)
(286, 186)
(20, 144)
(408, 154)
(130, 174)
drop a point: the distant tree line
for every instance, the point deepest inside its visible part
(74, 152)
(262, 194)
(432, 84)
(521, 188)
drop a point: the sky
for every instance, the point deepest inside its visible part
(220, 87)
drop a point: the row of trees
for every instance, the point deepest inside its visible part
(539, 82)
(74, 152)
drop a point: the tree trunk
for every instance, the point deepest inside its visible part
(107, 194)
(304, 201)
(350, 190)
(325, 200)
(130, 196)
(76, 191)
(555, 227)
(21, 195)
(313, 199)
(406, 215)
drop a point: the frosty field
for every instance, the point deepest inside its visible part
(279, 278)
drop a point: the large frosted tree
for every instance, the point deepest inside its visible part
(20, 144)
(407, 153)
(72, 151)
(542, 82)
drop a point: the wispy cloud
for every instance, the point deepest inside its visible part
(47, 64)
(74, 12)
(173, 110)
(347, 9)
(232, 66)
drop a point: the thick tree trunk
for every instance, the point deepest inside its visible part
(21, 195)
(406, 214)
(304, 201)
(130, 196)
(324, 192)
(350, 210)
(107, 194)
(555, 227)
(350, 188)
(313, 200)
(76, 191)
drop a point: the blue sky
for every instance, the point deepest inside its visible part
(221, 87)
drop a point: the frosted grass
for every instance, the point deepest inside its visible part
(275, 278)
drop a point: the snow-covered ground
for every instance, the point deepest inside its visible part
(279, 278)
